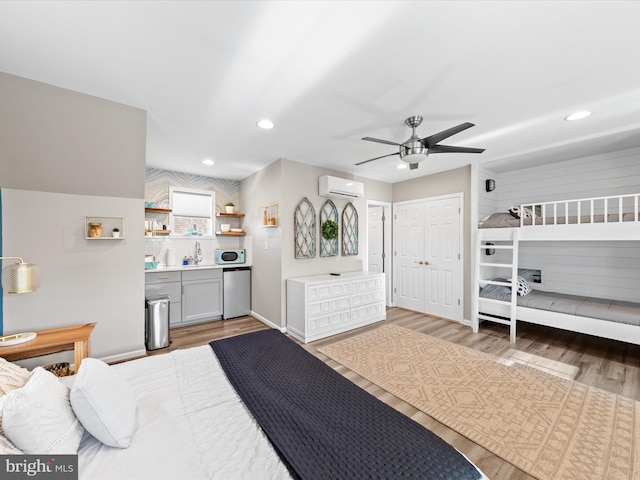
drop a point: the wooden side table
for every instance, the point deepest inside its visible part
(54, 340)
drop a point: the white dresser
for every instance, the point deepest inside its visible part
(323, 305)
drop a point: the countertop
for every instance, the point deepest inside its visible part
(180, 268)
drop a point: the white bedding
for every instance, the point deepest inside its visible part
(191, 425)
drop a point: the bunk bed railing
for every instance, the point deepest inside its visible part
(613, 209)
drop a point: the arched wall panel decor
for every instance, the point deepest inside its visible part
(304, 221)
(349, 230)
(328, 230)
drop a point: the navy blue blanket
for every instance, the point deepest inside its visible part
(325, 427)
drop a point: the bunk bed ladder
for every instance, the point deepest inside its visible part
(502, 267)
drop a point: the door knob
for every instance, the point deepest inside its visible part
(426, 262)
(420, 262)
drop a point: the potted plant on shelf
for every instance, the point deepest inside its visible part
(229, 207)
(115, 232)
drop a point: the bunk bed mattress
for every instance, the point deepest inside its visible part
(506, 220)
(603, 309)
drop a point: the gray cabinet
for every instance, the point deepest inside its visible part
(201, 295)
(195, 295)
(166, 283)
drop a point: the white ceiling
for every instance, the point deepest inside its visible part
(329, 73)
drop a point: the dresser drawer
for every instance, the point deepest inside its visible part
(365, 313)
(327, 290)
(367, 283)
(366, 298)
(328, 305)
(328, 322)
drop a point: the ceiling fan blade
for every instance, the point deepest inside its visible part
(431, 140)
(413, 166)
(377, 158)
(450, 149)
(378, 140)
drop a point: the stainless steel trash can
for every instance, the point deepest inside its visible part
(156, 333)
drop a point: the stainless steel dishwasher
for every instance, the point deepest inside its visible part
(236, 282)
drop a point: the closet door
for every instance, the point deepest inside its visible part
(442, 258)
(409, 256)
(427, 259)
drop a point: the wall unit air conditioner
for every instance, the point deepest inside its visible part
(329, 186)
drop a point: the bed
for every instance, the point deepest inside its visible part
(612, 218)
(252, 406)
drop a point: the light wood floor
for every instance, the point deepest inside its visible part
(606, 364)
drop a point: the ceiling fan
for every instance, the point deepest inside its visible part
(416, 149)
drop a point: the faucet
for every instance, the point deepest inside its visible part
(197, 258)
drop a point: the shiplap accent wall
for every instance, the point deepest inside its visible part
(598, 269)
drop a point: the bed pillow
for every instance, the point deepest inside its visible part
(38, 418)
(104, 403)
(12, 377)
(523, 287)
(8, 448)
(518, 212)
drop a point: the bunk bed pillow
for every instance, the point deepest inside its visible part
(523, 287)
(521, 213)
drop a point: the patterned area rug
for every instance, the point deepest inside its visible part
(550, 366)
(550, 427)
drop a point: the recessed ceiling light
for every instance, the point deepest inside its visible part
(578, 115)
(401, 166)
(208, 161)
(266, 124)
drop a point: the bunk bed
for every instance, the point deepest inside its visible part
(587, 219)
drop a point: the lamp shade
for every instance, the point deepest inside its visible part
(20, 277)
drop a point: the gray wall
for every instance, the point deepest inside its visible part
(452, 181)
(57, 140)
(64, 156)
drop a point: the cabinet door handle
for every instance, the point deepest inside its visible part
(163, 293)
(162, 278)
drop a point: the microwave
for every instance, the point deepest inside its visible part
(230, 256)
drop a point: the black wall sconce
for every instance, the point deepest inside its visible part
(490, 185)
(489, 251)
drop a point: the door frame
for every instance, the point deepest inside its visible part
(460, 196)
(388, 248)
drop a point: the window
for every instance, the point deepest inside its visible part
(192, 211)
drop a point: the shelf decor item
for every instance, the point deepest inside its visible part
(304, 221)
(115, 232)
(329, 230)
(349, 230)
(229, 207)
(95, 229)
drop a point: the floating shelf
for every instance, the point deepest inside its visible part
(232, 234)
(157, 210)
(107, 224)
(231, 215)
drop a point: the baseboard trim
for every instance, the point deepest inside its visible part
(267, 322)
(124, 356)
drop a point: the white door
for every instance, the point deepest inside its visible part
(428, 263)
(409, 255)
(375, 239)
(442, 258)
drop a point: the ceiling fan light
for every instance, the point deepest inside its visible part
(265, 124)
(414, 157)
(578, 115)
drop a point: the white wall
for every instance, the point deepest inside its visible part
(598, 269)
(83, 281)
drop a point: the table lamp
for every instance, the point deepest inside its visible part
(20, 277)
